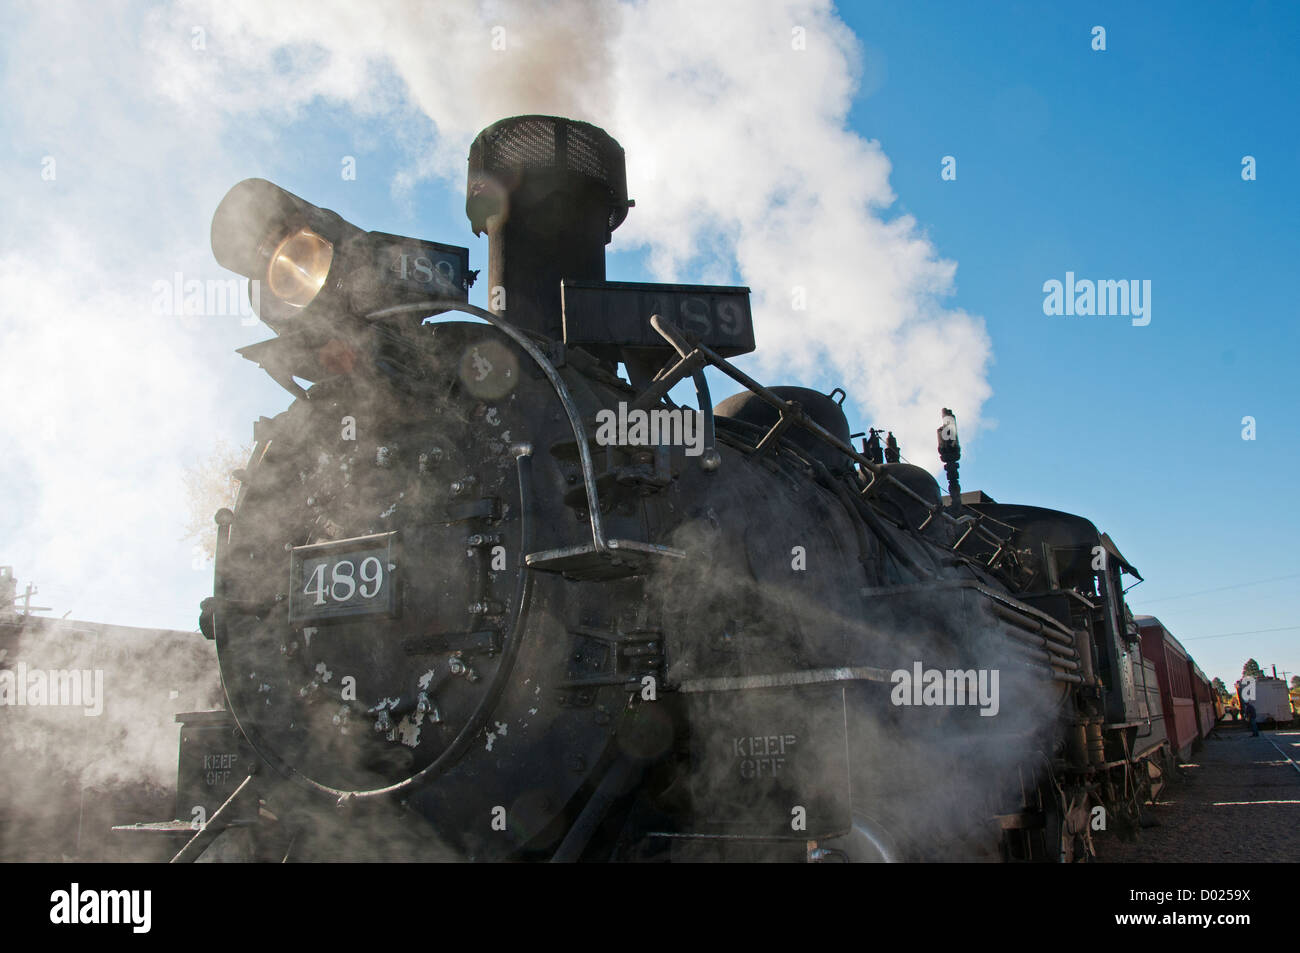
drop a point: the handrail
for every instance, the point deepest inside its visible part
(562, 391)
(710, 460)
(523, 589)
(792, 413)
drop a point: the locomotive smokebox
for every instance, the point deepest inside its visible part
(549, 192)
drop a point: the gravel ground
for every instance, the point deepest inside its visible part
(1238, 799)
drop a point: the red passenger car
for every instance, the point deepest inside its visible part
(1186, 696)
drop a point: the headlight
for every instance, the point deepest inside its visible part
(299, 266)
(321, 271)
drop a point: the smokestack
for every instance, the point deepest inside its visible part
(549, 192)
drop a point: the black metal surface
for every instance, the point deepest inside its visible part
(618, 312)
(770, 762)
(508, 151)
(322, 562)
(750, 408)
(549, 192)
(214, 759)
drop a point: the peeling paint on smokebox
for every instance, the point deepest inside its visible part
(408, 730)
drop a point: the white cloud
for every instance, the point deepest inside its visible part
(108, 402)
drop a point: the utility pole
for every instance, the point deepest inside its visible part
(26, 600)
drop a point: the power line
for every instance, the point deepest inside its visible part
(1224, 635)
(1202, 592)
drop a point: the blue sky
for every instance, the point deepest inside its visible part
(1122, 164)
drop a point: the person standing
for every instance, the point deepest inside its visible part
(1250, 714)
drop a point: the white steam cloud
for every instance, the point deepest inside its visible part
(733, 115)
(734, 119)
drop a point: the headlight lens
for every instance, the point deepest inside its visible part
(299, 266)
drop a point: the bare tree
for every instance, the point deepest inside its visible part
(209, 486)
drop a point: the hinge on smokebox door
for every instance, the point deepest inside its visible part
(598, 658)
(621, 471)
(602, 558)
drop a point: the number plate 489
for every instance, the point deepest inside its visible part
(343, 579)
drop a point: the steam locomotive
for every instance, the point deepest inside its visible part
(460, 614)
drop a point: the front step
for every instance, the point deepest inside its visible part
(585, 563)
